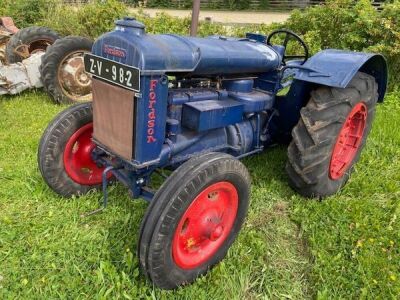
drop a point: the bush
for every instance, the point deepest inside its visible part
(25, 12)
(342, 24)
(387, 39)
(88, 20)
(358, 26)
(164, 23)
(99, 16)
(64, 20)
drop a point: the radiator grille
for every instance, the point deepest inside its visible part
(113, 118)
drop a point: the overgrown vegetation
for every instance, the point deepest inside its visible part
(24, 12)
(340, 24)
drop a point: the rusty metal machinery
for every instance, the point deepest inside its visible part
(7, 29)
(36, 57)
(21, 76)
(63, 73)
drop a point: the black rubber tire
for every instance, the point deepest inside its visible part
(51, 61)
(169, 204)
(52, 146)
(27, 36)
(315, 135)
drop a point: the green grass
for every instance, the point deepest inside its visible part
(344, 247)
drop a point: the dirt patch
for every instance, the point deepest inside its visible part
(229, 17)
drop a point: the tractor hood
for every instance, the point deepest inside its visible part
(168, 53)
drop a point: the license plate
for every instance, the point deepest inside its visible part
(111, 71)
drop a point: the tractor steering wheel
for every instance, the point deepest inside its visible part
(289, 34)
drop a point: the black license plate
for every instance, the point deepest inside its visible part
(117, 73)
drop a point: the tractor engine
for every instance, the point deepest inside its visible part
(181, 97)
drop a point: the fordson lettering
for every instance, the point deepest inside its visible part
(151, 116)
(114, 51)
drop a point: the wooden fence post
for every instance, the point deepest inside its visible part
(195, 17)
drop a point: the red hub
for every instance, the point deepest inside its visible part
(205, 225)
(348, 141)
(78, 162)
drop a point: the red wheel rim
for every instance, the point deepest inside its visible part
(205, 225)
(348, 141)
(78, 161)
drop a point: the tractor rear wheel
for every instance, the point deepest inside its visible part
(64, 154)
(63, 71)
(329, 137)
(28, 41)
(193, 219)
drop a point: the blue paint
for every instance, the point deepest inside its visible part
(242, 86)
(169, 53)
(336, 68)
(240, 114)
(151, 117)
(211, 114)
(254, 101)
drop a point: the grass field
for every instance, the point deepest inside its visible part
(344, 247)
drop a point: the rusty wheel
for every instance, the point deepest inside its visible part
(74, 81)
(62, 70)
(28, 41)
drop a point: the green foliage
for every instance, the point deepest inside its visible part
(64, 20)
(343, 24)
(89, 20)
(387, 39)
(340, 24)
(25, 12)
(164, 23)
(98, 17)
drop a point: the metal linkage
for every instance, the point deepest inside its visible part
(105, 194)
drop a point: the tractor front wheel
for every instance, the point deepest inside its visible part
(329, 137)
(64, 155)
(193, 219)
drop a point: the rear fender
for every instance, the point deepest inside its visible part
(336, 68)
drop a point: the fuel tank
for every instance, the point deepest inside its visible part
(168, 53)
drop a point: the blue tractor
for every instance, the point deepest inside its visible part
(192, 107)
